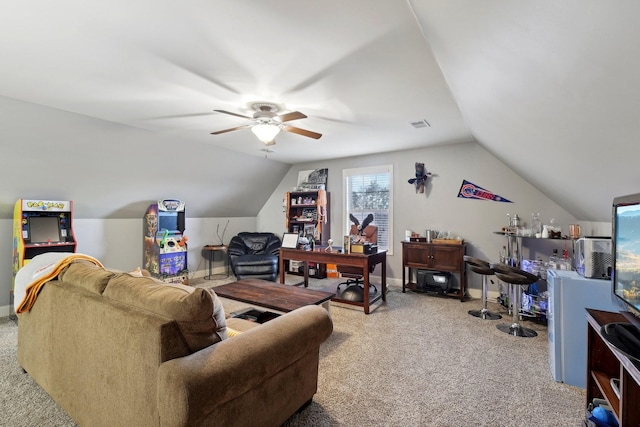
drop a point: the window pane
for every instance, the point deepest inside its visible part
(369, 192)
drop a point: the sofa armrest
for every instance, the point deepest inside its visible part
(273, 246)
(191, 387)
(236, 247)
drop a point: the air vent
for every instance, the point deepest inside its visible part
(421, 124)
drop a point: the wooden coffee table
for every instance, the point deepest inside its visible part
(272, 295)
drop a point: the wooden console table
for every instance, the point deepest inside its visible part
(320, 256)
(434, 257)
(605, 362)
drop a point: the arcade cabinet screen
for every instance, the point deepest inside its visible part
(167, 221)
(44, 229)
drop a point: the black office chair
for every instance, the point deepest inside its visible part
(354, 290)
(484, 268)
(516, 278)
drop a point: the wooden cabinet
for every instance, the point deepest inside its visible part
(307, 213)
(434, 257)
(604, 362)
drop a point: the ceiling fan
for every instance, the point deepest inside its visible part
(266, 123)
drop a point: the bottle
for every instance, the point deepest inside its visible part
(566, 263)
(503, 255)
(536, 225)
(554, 230)
(545, 232)
(515, 221)
(553, 261)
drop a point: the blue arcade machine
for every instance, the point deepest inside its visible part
(165, 245)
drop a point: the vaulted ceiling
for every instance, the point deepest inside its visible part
(129, 88)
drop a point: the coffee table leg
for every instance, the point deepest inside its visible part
(306, 273)
(281, 268)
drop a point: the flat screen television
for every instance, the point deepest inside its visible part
(625, 274)
(44, 229)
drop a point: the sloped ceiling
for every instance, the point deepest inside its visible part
(128, 90)
(551, 88)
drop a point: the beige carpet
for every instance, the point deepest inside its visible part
(416, 360)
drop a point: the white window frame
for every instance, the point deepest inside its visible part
(371, 170)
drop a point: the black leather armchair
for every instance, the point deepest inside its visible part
(255, 255)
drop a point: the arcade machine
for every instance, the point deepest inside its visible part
(40, 226)
(165, 245)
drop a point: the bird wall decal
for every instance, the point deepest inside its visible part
(421, 177)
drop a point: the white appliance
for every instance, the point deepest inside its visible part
(569, 295)
(593, 257)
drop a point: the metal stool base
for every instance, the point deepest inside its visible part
(517, 330)
(485, 314)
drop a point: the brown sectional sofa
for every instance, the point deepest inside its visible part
(116, 350)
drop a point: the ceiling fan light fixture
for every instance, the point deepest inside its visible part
(265, 132)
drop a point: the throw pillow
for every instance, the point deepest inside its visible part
(218, 316)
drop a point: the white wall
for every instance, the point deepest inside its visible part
(117, 243)
(439, 208)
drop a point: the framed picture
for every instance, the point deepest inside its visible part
(315, 179)
(290, 240)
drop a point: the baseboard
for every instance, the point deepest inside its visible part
(5, 310)
(477, 294)
(215, 271)
(473, 293)
(200, 274)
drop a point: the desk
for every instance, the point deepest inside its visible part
(319, 255)
(211, 250)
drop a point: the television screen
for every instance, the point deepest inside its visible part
(626, 269)
(43, 229)
(625, 336)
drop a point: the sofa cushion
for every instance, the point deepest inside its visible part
(257, 261)
(86, 275)
(191, 308)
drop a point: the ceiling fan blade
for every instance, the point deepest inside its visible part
(233, 114)
(232, 129)
(295, 115)
(302, 132)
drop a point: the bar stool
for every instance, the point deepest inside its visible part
(516, 278)
(484, 268)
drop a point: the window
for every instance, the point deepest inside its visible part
(370, 190)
